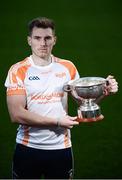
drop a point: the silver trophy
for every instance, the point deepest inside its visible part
(86, 91)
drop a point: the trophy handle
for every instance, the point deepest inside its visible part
(71, 90)
(107, 82)
(110, 92)
(75, 95)
(97, 101)
(67, 88)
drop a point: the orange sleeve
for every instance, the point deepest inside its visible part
(15, 80)
(70, 66)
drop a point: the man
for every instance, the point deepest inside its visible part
(37, 102)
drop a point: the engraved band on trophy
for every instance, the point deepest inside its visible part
(87, 90)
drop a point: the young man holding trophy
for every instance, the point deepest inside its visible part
(37, 102)
(88, 92)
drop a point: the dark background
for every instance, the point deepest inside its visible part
(90, 34)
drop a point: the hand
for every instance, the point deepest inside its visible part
(112, 86)
(98, 118)
(68, 121)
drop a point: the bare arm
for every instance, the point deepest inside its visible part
(19, 114)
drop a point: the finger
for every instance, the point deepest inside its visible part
(113, 87)
(70, 127)
(73, 118)
(100, 117)
(75, 122)
(112, 81)
(113, 90)
(110, 77)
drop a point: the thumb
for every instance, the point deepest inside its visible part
(110, 77)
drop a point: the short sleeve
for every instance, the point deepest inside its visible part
(15, 82)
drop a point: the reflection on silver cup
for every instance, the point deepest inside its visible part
(86, 91)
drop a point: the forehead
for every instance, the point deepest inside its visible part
(42, 32)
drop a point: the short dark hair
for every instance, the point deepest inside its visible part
(41, 22)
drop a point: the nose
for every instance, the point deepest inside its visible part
(42, 42)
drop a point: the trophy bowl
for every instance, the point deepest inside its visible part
(86, 91)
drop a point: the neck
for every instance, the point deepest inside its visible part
(40, 61)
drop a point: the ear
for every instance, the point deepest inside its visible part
(29, 40)
(55, 40)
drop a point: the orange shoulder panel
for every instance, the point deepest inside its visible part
(70, 66)
(19, 70)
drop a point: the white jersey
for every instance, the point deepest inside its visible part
(43, 88)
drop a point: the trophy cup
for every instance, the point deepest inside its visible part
(86, 91)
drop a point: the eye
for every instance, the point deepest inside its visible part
(37, 37)
(48, 38)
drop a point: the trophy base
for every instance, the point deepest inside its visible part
(98, 118)
(89, 115)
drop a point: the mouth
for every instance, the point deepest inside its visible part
(43, 49)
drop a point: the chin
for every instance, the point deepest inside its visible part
(43, 56)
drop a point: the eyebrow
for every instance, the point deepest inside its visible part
(48, 36)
